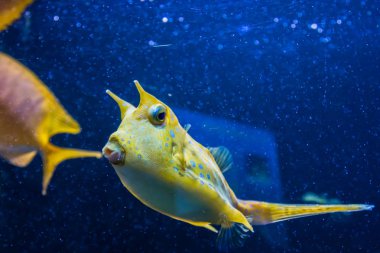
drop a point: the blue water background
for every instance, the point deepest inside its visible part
(308, 72)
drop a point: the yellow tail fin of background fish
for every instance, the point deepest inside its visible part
(53, 155)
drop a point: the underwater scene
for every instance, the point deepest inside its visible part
(189, 126)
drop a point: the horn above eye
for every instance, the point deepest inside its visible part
(157, 114)
(124, 106)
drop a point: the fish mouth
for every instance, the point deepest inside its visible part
(114, 153)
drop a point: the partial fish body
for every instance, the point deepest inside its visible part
(167, 170)
(11, 10)
(29, 115)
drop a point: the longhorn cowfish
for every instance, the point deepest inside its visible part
(166, 169)
(29, 115)
(11, 10)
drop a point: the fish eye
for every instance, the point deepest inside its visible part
(157, 114)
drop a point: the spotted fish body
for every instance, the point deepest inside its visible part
(169, 171)
(166, 169)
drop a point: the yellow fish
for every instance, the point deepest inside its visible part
(167, 170)
(29, 115)
(10, 11)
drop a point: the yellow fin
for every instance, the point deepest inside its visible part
(261, 213)
(124, 106)
(236, 216)
(11, 10)
(53, 155)
(202, 224)
(211, 228)
(56, 122)
(18, 158)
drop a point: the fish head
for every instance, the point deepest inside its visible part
(147, 135)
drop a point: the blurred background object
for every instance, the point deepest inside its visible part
(319, 199)
(29, 116)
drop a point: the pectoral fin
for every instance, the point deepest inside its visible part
(222, 157)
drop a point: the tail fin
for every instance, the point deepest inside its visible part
(261, 213)
(53, 155)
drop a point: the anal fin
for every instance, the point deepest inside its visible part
(202, 224)
(222, 157)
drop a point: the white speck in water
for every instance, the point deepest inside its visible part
(293, 26)
(169, 94)
(276, 20)
(152, 43)
(320, 30)
(165, 19)
(244, 28)
(325, 39)
(339, 21)
(56, 18)
(314, 26)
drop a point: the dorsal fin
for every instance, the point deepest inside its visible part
(222, 157)
(187, 127)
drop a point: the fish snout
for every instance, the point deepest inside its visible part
(114, 153)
